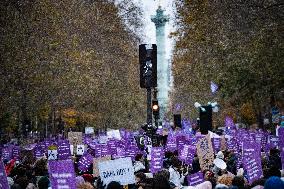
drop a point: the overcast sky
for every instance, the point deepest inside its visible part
(150, 7)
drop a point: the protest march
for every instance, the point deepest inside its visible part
(182, 158)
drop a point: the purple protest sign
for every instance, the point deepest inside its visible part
(97, 149)
(38, 152)
(111, 144)
(131, 152)
(232, 144)
(252, 161)
(6, 153)
(104, 150)
(195, 179)
(182, 152)
(16, 152)
(171, 144)
(87, 140)
(62, 174)
(258, 137)
(216, 143)
(85, 161)
(120, 153)
(274, 141)
(3, 177)
(157, 155)
(186, 154)
(281, 144)
(181, 140)
(63, 150)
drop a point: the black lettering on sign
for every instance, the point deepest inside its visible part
(121, 171)
(108, 174)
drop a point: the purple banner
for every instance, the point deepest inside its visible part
(62, 174)
(195, 179)
(3, 177)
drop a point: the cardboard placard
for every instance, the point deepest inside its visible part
(120, 170)
(75, 138)
(205, 152)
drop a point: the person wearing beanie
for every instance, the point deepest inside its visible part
(274, 183)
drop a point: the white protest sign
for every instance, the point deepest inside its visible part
(103, 139)
(120, 170)
(89, 130)
(80, 150)
(114, 134)
(52, 152)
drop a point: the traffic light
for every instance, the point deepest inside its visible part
(148, 65)
(155, 107)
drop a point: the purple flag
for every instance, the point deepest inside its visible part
(214, 87)
(62, 174)
(195, 179)
(3, 177)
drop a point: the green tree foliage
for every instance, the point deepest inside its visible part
(238, 44)
(71, 54)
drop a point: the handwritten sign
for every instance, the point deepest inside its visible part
(120, 170)
(62, 174)
(205, 152)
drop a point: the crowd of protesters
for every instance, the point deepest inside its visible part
(31, 173)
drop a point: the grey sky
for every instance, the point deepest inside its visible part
(150, 7)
